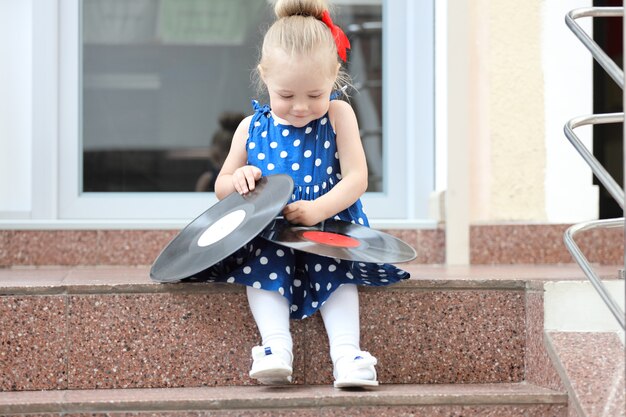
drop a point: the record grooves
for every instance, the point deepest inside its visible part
(222, 229)
(340, 239)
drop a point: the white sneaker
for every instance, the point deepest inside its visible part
(355, 371)
(271, 368)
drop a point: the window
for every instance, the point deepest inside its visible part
(151, 91)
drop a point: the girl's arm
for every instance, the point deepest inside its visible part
(235, 175)
(353, 171)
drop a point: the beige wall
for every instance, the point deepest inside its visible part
(506, 109)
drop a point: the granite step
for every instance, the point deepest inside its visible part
(110, 328)
(506, 399)
(75, 243)
(591, 364)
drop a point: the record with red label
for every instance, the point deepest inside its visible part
(342, 240)
(222, 229)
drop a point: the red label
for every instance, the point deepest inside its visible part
(331, 239)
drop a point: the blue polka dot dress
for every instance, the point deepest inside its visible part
(309, 155)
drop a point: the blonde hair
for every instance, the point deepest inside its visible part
(299, 30)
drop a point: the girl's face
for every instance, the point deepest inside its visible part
(299, 87)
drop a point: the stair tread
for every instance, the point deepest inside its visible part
(592, 364)
(293, 396)
(55, 280)
(111, 327)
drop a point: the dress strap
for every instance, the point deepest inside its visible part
(338, 93)
(264, 109)
(260, 116)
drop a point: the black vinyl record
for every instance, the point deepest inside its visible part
(342, 240)
(222, 229)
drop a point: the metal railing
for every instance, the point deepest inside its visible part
(614, 71)
(599, 171)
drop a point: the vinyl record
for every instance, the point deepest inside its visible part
(340, 239)
(222, 229)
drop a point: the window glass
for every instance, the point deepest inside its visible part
(165, 83)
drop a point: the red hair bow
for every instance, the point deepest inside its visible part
(341, 40)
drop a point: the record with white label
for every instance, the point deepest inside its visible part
(222, 229)
(342, 240)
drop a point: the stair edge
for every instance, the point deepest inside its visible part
(256, 397)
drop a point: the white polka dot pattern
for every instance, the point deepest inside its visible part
(309, 155)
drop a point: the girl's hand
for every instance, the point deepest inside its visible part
(245, 177)
(303, 212)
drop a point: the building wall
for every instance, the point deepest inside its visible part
(523, 90)
(509, 76)
(567, 67)
(527, 76)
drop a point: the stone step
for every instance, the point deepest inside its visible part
(489, 244)
(506, 399)
(109, 328)
(591, 364)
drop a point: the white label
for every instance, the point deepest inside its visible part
(221, 228)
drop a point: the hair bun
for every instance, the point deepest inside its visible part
(286, 8)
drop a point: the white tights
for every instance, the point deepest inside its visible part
(340, 314)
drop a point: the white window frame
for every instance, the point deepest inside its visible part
(408, 123)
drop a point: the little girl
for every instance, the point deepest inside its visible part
(307, 134)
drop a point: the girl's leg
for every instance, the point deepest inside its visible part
(272, 361)
(271, 314)
(352, 367)
(341, 319)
